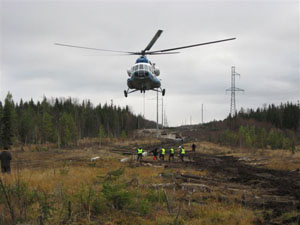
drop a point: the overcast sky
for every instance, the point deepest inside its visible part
(265, 53)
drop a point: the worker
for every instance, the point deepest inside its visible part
(139, 154)
(5, 158)
(171, 155)
(162, 154)
(182, 153)
(193, 147)
(154, 154)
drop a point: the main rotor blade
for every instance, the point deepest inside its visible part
(154, 39)
(98, 49)
(190, 46)
(161, 53)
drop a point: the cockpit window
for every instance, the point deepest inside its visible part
(142, 67)
(148, 68)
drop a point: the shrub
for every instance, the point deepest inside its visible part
(116, 195)
(152, 196)
(20, 198)
(46, 205)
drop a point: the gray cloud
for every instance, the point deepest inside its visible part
(266, 52)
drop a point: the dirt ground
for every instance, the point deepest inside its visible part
(275, 192)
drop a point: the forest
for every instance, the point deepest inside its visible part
(63, 121)
(275, 127)
(285, 116)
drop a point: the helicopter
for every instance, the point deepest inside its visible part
(143, 74)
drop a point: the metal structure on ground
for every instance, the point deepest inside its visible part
(233, 89)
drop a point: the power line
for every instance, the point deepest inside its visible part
(233, 89)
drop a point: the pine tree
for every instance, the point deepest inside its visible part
(47, 128)
(9, 122)
(123, 135)
(68, 129)
(26, 125)
(101, 134)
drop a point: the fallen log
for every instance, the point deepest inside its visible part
(191, 176)
(199, 177)
(164, 185)
(121, 152)
(185, 186)
(124, 160)
(168, 204)
(127, 153)
(147, 164)
(194, 187)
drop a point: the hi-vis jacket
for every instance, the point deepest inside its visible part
(182, 151)
(140, 151)
(163, 151)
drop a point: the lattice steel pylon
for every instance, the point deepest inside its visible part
(233, 89)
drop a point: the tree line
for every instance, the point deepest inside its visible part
(275, 127)
(285, 116)
(258, 137)
(63, 121)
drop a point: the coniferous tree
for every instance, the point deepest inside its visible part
(26, 125)
(101, 134)
(9, 122)
(68, 129)
(63, 121)
(47, 129)
(285, 116)
(123, 135)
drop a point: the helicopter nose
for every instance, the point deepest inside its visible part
(139, 74)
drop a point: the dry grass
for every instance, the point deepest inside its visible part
(220, 213)
(64, 174)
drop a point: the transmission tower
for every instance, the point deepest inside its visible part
(233, 89)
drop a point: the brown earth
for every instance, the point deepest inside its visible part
(276, 192)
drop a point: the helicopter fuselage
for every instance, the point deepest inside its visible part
(142, 77)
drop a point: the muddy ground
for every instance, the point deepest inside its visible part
(275, 192)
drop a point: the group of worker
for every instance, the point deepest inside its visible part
(162, 153)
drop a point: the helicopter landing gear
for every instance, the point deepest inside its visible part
(162, 91)
(126, 93)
